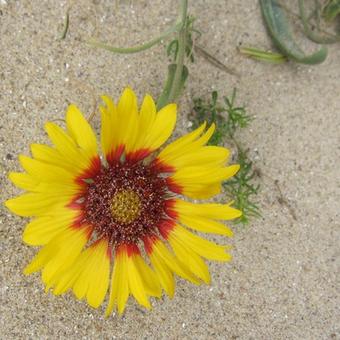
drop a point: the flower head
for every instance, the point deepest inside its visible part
(92, 214)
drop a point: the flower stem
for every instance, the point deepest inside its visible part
(182, 36)
(170, 93)
(176, 27)
(139, 48)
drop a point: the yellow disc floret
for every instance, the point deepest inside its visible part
(125, 206)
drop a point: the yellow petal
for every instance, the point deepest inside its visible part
(201, 246)
(205, 225)
(93, 280)
(207, 210)
(147, 114)
(195, 190)
(100, 281)
(65, 280)
(42, 229)
(136, 284)
(128, 118)
(67, 245)
(165, 276)
(162, 127)
(67, 146)
(199, 182)
(119, 291)
(190, 260)
(52, 156)
(81, 131)
(146, 120)
(211, 156)
(156, 249)
(45, 172)
(69, 189)
(173, 148)
(203, 175)
(110, 129)
(23, 180)
(60, 251)
(35, 204)
(186, 145)
(149, 278)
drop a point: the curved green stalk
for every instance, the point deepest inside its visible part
(311, 34)
(138, 48)
(178, 72)
(177, 26)
(179, 64)
(281, 34)
(66, 25)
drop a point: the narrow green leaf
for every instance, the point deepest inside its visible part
(66, 25)
(164, 97)
(135, 49)
(280, 32)
(270, 57)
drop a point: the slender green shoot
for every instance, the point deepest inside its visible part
(270, 57)
(242, 190)
(66, 25)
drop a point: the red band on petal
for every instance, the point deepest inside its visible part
(115, 155)
(160, 166)
(129, 248)
(169, 209)
(132, 249)
(173, 186)
(91, 172)
(77, 223)
(165, 227)
(74, 203)
(149, 242)
(137, 155)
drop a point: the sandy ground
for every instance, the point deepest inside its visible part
(282, 283)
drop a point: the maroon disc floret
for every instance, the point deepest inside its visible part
(124, 202)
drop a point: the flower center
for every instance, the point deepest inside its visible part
(125, 206)
(125, 202)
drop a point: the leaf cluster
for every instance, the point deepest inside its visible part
(229, 118)
(173, 46)
(279, 28)
(242, 189)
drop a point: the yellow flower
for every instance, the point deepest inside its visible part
(92, 213)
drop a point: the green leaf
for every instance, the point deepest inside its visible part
(270, 57)
(280, 32)
(66, 25)
(164, 97)
(312, 35)
(331, 10)
(172, 49)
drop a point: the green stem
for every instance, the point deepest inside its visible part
(177, 73)
(177, 26)
(66, 25)
(139, 48)
(179, 65)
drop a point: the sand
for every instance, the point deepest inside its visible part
(282, 282)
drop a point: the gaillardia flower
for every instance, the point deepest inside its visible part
(94, 213)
